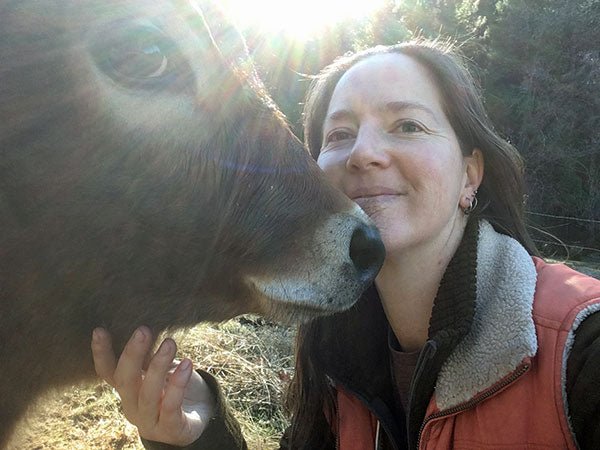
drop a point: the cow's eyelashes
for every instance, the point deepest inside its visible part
(138, 56)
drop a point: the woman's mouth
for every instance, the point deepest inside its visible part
(380, 193)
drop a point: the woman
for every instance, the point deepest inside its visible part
(467, 340)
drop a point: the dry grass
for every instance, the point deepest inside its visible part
(251, 358)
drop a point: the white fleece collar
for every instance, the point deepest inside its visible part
(502, 333)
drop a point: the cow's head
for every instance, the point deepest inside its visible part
(147, 177)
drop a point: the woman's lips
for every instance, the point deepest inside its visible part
(376, 197)
(377, 192)
(372, 202)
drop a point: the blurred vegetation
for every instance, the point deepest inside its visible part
(538, 62)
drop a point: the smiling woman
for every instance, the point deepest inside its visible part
(301, 20)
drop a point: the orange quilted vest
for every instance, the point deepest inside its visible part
(524, 409)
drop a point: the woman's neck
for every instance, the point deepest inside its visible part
(408, 284)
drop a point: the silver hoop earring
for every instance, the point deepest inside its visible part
(472, 204)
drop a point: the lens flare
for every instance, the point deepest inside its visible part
(300, 20)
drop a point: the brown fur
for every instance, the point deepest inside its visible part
(146, 178)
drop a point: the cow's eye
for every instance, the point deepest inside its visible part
(139, 56)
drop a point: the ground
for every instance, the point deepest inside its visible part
(251, 358)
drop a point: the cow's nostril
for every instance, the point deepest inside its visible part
(366, 251)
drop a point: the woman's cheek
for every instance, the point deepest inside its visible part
(327, 159)
(333, 166)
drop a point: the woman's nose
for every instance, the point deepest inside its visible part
(369, 151)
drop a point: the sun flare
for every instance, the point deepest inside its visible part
(299, 19)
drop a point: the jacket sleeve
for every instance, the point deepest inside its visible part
(583, 383)
(222, 433)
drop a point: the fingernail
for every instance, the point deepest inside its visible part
(96, 336)
(139, 335)
(164, 348)
(184, 370)
(185, 365)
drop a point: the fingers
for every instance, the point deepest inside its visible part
(151, 390)
(105, 361)
(166, 400)
(128, 375)
(175, 391)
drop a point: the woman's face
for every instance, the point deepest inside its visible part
(388, 145)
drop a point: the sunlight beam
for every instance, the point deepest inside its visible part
(300, 20)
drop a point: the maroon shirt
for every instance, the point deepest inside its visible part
(402, 365)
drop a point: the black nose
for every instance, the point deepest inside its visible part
(366, 251)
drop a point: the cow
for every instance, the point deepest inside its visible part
(146, 177)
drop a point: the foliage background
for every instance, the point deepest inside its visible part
(538, 63)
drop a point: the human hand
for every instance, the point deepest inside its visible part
(167, 401)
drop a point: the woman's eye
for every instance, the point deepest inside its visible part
(408, 127)
(339, 135)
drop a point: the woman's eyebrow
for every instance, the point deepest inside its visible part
(386, 108)
(341, 114)
(399, 106)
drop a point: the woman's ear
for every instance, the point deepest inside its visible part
(474, 165)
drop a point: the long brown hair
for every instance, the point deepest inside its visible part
(500, 196)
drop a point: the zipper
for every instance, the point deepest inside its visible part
(381, 428)
(377, 436)
(337, 434)
(520, 371)
(377, 445)
(337, 419)
(427, 353)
